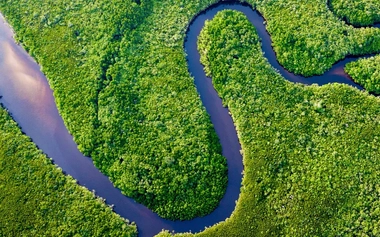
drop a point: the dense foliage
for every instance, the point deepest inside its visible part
(37, 199)
(308, 38)
(357, 12)
(120, 80)
(366, 72)
(311, 154)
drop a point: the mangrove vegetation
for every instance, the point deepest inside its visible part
(357, 12)
(311, 153)
(121, 83)
(37, 199)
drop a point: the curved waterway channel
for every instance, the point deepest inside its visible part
(28, 97)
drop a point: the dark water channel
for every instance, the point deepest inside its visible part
(28, 97)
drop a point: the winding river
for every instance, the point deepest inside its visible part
(28, 97)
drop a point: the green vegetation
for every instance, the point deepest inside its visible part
(357, 12)
(308, 38)
(121, 84)
(366, 72)
(37, 199)
(120, 80)
(311, 154)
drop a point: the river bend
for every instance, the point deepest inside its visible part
(28, 97)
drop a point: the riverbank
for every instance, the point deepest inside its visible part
(148, 222)
(310, 152)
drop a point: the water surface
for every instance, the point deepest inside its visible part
(28, 97)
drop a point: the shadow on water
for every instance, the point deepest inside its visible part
(27, 95)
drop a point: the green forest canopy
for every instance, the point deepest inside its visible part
(37, 199)
(118, 70)
(365, 72)
(357, 12)
(311, 154)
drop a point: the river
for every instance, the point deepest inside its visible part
(28, 97)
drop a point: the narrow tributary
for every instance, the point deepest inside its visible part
(28, 97)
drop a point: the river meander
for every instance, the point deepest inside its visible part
(28, 97)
